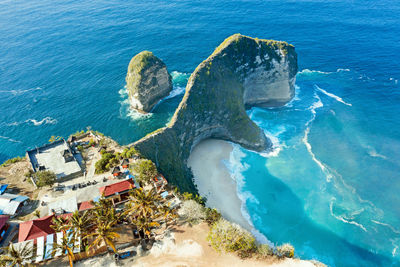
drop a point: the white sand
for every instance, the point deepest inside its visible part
(213, 179)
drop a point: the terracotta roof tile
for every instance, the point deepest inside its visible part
(119, 187)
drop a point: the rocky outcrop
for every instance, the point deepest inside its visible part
(241, 72)
(148, 81)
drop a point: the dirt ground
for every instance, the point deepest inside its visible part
(13, 175)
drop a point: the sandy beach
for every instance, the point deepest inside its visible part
(213, 179)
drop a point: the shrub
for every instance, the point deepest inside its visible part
(199, 199)
(145, 170)
(229, 237)
(212, 216)
(264, 251)
(129, 152)
(44, 178)
(11, 161)
(80, 148)
(107, 161)
(192, 212)
(285, 250)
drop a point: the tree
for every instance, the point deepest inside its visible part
(146, 170)
(44, 178)
(105, 220)
(60, 224)
(81, 223)
(145, 224)
(142, 203)
(169, 214)
(67, 244)
(16, 256)
(212, 216)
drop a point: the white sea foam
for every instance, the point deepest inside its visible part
(343, 219)
(339, 99)
(47, 120)
(20, 91)
(308, 71)
(177, 90)
(295, 98)
(236, 169)
(387, 225)
(10, 139)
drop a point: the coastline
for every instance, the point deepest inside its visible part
(214, 181)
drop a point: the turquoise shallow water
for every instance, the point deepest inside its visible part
(332, 190)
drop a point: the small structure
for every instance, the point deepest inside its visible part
(3, 188)
(10, 203)
(125, 163)
(57, 157)
(35, 228)
(116, 171)
(159, 182)
(85, 205)
(118, 192)
(3, 226)
(62, 206)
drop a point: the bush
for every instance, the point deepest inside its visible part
(229, 237)
(129, 152)
(44, 178)
(264, 251)
(107, 161)
(212, 216)
(145, 170)
(285, 250)
(199, 199)
(80, 148)
(192, 212)
(11, 161)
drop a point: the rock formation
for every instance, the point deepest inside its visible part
(148, 81)
(241, 72)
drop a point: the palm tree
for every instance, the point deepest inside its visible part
(142, 203)
(145, 224)
(81, 223)
(168, 214)
(67, 244)
(60, 224)
(105, 219)
(17, 256)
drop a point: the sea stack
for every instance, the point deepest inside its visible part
(242, 72)
(147, 80)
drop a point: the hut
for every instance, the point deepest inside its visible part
(116, 171)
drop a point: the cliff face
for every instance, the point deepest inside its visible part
(148, 81)
(242, 72)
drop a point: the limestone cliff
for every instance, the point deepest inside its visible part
(241, 72)
(148, 81)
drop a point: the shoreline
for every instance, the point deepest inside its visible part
(213, 179)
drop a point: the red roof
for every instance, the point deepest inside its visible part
(85, 205)
(119, 187)
(35, 228)
(3, 220)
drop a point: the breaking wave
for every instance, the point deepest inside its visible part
(339, 99)
(47, 120)
(20, 91)
(10, 139)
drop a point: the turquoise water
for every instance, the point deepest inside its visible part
(331, 185)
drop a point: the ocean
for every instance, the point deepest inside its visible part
(330, 187)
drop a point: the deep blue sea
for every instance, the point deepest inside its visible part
(332, 185)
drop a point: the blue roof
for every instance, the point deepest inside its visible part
(21, 198)
(3, 188)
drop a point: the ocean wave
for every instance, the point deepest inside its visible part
(295, 98)
(136, 115)
(10, 139)
(337, 98)
(308, 71)
(236, 169)
(20, 91)
(341, 218)
(177, 90)
(47, 120)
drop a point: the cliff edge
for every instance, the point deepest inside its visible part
(147, 80)
(242, 72)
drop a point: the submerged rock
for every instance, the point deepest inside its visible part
(242, 72)
(147, 80)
